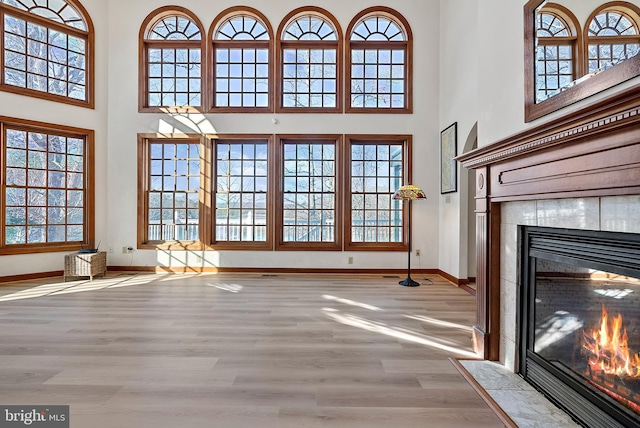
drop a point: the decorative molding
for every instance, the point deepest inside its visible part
(29, 276)
(579, 131)
(462, 283)
(268, 270)
(618, 111)
(213, 269)
(468, 289)
(451, 278)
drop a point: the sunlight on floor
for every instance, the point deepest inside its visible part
(397, 332)
(351, 302)
(58, 288)
(231, 288)
(440, 323)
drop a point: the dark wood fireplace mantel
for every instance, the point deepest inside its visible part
(594, 151)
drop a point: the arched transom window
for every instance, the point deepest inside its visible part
(613, 36)
(47, 49)
(172, 56)
(555, 54)
(242, 66)
(378, 28)
(310, 27)
(175, 28)
(242, 28)
(310, 52)
(55, 10)
(380, 66)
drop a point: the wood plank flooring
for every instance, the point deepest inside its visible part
(231, 350)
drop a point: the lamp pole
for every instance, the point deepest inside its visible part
(409, 282)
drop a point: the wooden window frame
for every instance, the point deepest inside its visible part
(145, 44)
(144, 143)
(406, 45)
(88, 179)
(629, 10)
(88, 36)
(337, 244)
(257, 44)
(275, 192)
(574, 40)
(281, 45)
(374, 139)
(267, 245)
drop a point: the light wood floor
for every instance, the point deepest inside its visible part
(241, 351)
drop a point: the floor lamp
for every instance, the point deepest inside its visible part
(409, 193)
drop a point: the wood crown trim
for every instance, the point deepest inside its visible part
(617, 111)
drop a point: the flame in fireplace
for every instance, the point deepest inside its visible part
(608, 349)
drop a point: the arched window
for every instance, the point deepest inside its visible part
(309, 61)
(380, 62)
(556, 53)
(48, 50)
(613, 35)
(242, 40)
(171, 60)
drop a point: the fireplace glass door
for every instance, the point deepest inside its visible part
(580, 315)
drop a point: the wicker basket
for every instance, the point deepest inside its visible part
(85, 264)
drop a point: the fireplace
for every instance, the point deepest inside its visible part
(579, 318)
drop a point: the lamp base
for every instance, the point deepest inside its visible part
(409, 282)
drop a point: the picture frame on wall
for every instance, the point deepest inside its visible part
(448, 152)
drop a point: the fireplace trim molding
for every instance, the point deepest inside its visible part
(594, 151)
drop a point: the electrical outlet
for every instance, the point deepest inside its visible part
(418, 253)
(110, 250)
(126, 250)
(350, 260)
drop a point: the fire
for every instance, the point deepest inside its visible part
(608, 349)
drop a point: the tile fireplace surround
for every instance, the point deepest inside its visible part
(612, 214)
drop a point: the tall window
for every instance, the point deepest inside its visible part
(555, 55)
(171, 67)
(379, 165)
(309, 61)
(613, 36)
(48, 50)
(309, 205)
(380, 62)
(47, 187)
(242, 216)
(170, 173)
(242, 61)
(243, 191)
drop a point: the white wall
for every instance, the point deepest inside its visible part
(18, 106)
(125, 122)
(458, 103)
